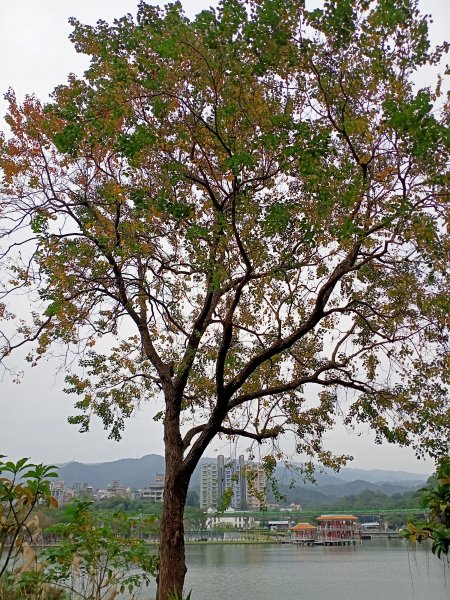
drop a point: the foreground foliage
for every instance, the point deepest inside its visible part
(99, 554)
(23, 485)
(250, 209)
(435, 500)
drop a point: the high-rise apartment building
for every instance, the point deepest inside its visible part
(208, 486)
(231, 475)
(247, 483)
(256, 481)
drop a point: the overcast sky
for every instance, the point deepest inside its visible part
(35, 56)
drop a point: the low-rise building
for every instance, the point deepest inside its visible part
(229, 519)
(279, 525)
(115, 488)
(155, 491)
(83, 489)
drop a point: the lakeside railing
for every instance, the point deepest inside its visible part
(293, 514)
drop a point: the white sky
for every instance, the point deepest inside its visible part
(35, 56)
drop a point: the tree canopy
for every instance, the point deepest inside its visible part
(243, 216)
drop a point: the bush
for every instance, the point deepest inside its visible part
(436, 500)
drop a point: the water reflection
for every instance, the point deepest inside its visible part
(379, 570)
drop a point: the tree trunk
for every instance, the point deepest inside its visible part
(172, 563)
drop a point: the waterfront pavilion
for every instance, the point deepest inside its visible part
(337, 529)
(303, 533)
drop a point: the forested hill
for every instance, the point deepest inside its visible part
(140, 472)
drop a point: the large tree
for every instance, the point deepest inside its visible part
(250, 210)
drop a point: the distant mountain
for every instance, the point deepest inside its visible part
(139, 472)
(356, 487)
(285, 476)
(382, 476)
(131, 472)
(331, 486)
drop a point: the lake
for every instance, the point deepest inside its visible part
(378, 570)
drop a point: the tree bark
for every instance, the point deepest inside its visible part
(172, 562)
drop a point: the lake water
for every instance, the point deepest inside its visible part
(378, 570)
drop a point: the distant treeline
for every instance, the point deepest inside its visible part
(366, 499)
